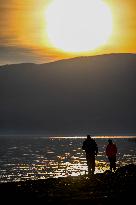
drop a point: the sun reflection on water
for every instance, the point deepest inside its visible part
(41, 158)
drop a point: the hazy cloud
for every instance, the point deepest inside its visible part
(14, 54)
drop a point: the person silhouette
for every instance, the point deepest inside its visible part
(111, 151)
(91, 149)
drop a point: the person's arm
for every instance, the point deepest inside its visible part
(107, 150)
(96, 151)
(83, 147)
(115, 149)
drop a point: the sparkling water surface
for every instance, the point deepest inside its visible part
(39, 157)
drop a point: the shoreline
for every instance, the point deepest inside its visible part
(70, 136)
(101, 188)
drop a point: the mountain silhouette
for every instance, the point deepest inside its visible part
(79, 95)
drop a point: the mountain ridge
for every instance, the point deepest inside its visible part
(75, 95)
(71, 59)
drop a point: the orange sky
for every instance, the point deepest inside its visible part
(23, 35)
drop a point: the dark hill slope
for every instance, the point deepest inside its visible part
(75, 95)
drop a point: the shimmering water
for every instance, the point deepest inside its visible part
(39, 157)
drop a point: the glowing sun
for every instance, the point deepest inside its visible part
(78, 25)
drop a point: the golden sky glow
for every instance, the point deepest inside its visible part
(78, 26)
(24, 31)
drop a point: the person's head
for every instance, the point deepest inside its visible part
(110, 141)
(88, 137)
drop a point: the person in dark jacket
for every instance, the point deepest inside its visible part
(91, 149)
(111, 151)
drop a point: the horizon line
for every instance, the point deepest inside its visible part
(70, 58)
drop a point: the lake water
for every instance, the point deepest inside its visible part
(39, 157)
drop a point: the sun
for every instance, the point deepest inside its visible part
(78, 25)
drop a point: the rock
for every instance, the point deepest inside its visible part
(104, 188)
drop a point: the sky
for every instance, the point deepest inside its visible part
(23, 32)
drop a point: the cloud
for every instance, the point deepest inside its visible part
(19, 41)
(14, 54)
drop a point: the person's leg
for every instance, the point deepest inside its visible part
(111, 163)
(89, 168)
(114, 163)
(88, 163)
(92, 160)
(93, 165)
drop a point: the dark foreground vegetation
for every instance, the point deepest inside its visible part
(102, 188)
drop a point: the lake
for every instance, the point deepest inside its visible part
(40, 157)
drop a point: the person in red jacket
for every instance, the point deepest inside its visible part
(111, 151)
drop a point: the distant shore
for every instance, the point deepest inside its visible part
(103, 188)
(71, 136)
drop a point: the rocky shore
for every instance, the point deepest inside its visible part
(102, 188)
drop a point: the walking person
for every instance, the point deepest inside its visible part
(91, 149)
(111, 151)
